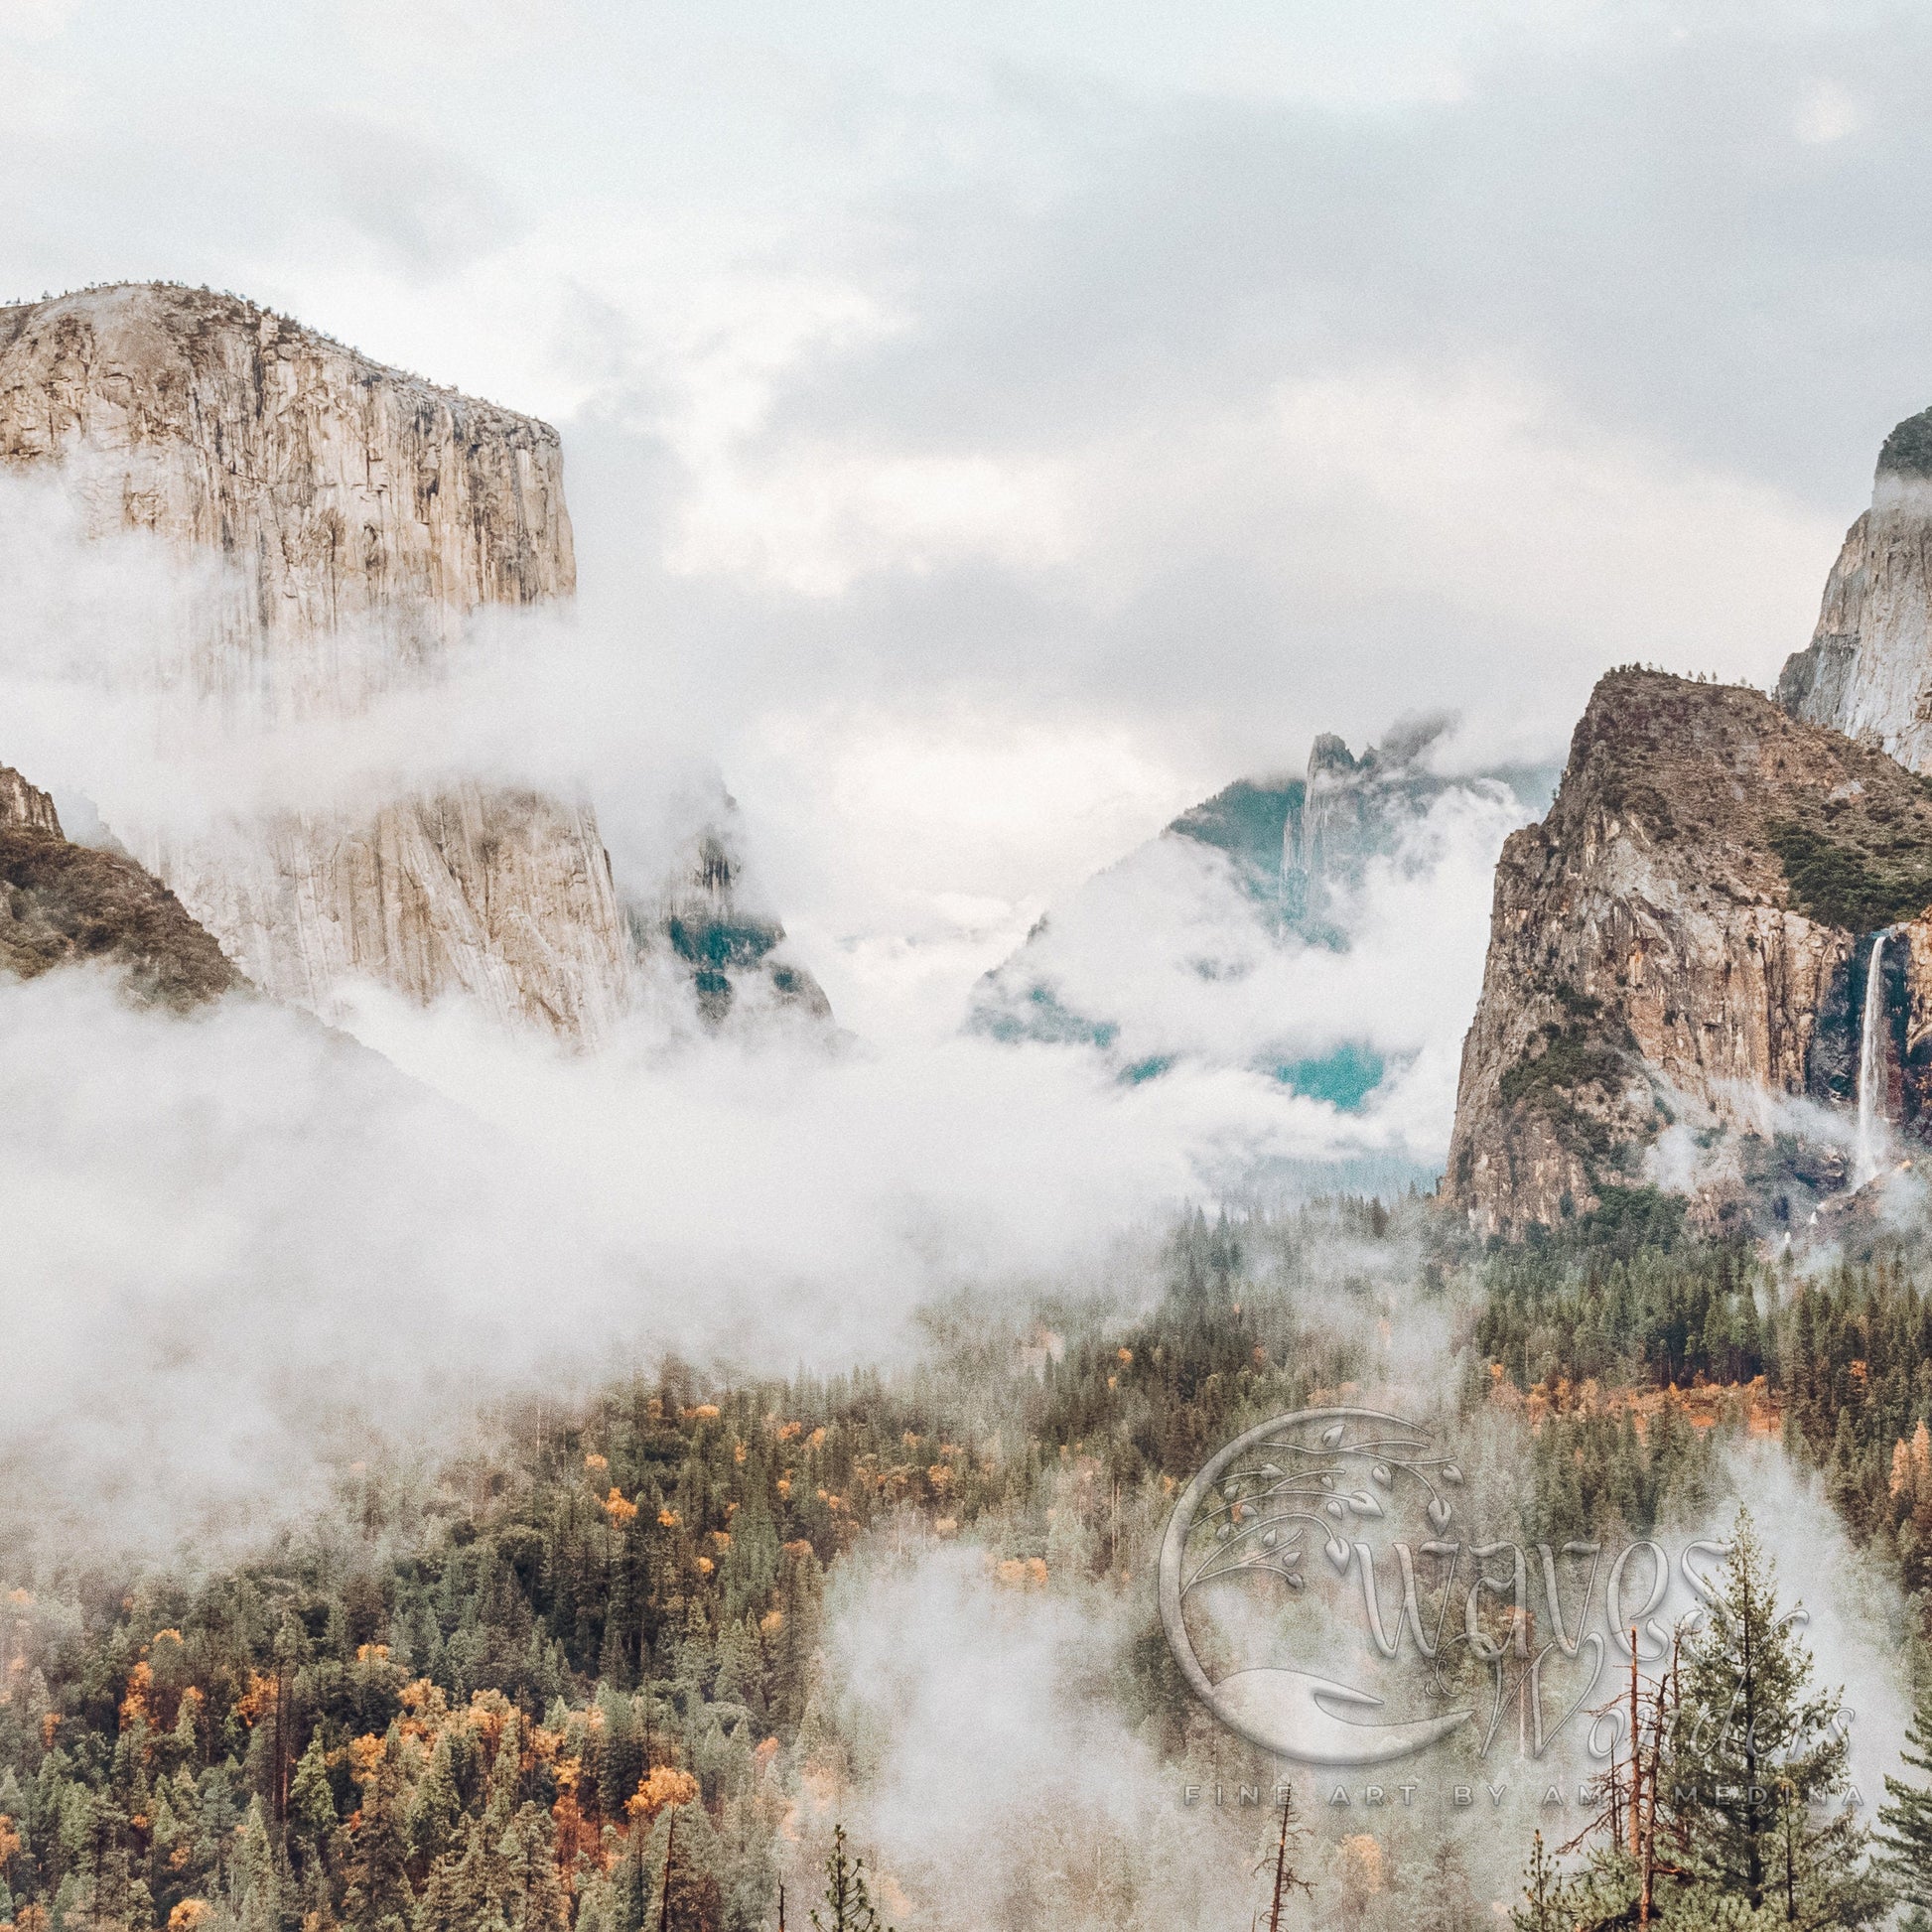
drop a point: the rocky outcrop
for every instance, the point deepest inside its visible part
(1353, 811)
(1686, 936)
(1868, 671)
(356, 516)
(63, 903)
(706, 922)
(25, 804)
(360, 513)
(1298, 849)
(503, 895)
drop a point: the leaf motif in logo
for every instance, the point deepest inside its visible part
(1450, 1473)
(1381, 1474)
(1331, 1435)
(1335, 1508)
(1336, 1551)
(1367, 1504)
(1439, 1513)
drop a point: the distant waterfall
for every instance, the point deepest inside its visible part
(1872, 1080)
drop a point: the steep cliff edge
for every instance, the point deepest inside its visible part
(357, 517)
(1868, 671)
(63, 903)
(360, 513)
(1686, 937)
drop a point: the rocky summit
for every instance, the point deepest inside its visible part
(1685, 942)
(1868, 671)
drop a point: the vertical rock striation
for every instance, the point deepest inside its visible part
(23, 804)
(1868, 671)
(358, 516)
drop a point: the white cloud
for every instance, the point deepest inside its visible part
(1828, 113)
(35, 20)
(1172, 949)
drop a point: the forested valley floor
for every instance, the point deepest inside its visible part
(582, 1681)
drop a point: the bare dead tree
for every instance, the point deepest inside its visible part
(1287, 1878)
(664, 1908)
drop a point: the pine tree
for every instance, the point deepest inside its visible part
(1287, 1880)
(1546, 1903)
(1721, 1814)
(379, 1894)
(1905, 1822)
(312, 1799)
(436, 1810)
(539, 1902)
(846, 1897)
(1755, 1750)
(1752, 1752)
(1450, 1904)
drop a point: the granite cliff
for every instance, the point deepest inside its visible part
(352, 519)
(1684, 939)
(1868, 671)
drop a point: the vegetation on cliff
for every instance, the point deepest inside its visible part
(1861, 862)
(1678, 938)
(63, 903)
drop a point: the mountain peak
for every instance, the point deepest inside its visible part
(1907, 451)
(1682, 943)
(1868, 671)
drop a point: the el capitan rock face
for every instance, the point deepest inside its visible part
(1689, 930)
(357, 517)
(338, 493)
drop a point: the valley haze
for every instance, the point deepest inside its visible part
(783, 797)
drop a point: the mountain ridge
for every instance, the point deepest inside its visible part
(63, 904)
(359, 518)
(1683, 941)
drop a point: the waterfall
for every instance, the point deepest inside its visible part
(1872, 1072)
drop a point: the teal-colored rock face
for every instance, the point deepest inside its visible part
(1041, 1016)
(1344, 1078)
(1248, 820)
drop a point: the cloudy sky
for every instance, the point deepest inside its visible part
(993, 426)
(989, 429)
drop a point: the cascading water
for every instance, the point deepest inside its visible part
(1873, 1072)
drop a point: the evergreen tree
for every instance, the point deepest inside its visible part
(436, 1810)
(1546, 1905)
(847, 1900)
(312, 1799)
(1755, 1754)
(379, 1896)
(1905, 1822)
